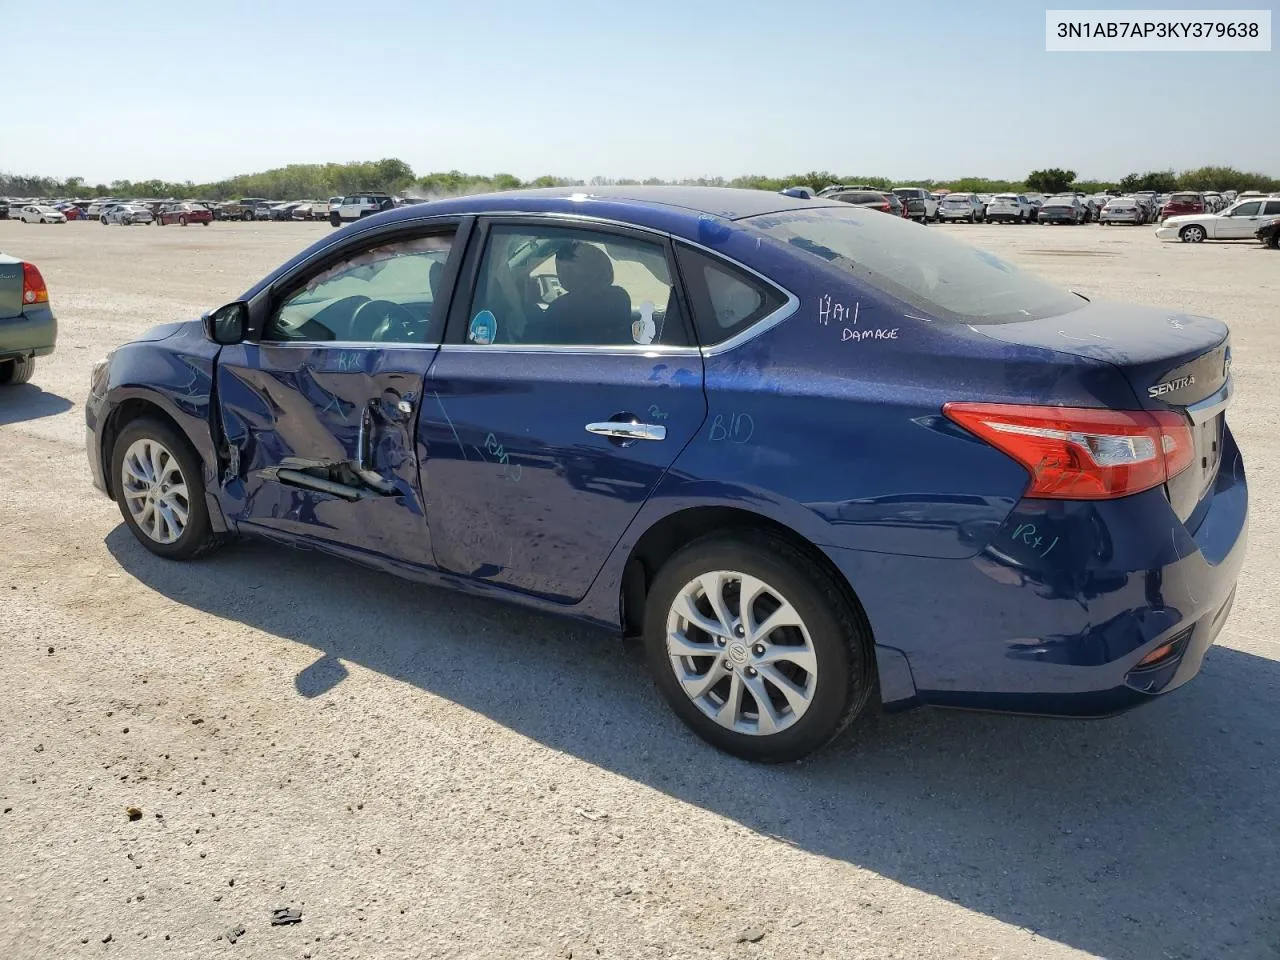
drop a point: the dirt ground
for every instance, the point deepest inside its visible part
(426, 775)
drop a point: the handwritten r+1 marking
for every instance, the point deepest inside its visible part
(1026, 533)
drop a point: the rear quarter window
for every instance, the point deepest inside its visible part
(941, 276)
(725, 299)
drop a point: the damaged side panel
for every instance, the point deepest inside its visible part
(320, 443)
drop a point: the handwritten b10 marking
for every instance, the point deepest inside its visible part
(1026, 533)
(735, 427)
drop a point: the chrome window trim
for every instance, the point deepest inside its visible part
(620, 349)
(345, 344)
(1205, 410)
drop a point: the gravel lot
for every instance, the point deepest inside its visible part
(429, 775)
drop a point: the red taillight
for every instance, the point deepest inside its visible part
(887, 207)
(1081, 453)
(33, 288)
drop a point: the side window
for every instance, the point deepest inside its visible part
(1271, 206)
(1247, 209)
(382, 294)
(562, 286)
(726, 300)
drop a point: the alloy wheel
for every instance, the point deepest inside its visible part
(155, 490)
(741, 653)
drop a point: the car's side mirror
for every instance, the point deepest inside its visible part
(227, 324)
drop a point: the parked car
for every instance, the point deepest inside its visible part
(1213, 202)
(311, 210)
(880, 200)
(4, 209)
(282, 211)
(125, 214)
(1238, 222)
(1122, 210)
(1268, 233)
(358, 206)
(1037, 201)
(28, 328)
(803, 193)
(960, 206)
(184, 213)
(637, 490)
(40, 213)
(70, 211)
(920, 193)
(1009, 208)
(1185, 202)
(1065, 208)
(244, 209)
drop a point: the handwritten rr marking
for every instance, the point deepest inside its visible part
(512, 472)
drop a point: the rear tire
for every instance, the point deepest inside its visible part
(14, 372)
(147, 447)
(816, 672)
(182, 221)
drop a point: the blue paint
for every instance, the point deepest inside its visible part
(976, 596)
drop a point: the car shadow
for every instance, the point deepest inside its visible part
(26, 401)
(1150, 834)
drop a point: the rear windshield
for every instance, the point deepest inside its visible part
(962, 199)
(944, 277)
(1184, 198)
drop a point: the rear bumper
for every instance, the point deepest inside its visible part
(1056, 623)
(33, 333)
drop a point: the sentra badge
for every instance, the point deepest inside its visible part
(1169, 386)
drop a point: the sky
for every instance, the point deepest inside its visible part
(136, 89)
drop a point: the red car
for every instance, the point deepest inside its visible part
(1180, 203)
(184, 213)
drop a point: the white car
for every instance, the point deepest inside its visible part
(1009, 208)
(1122, 210)
(1237, 222)
(39, 213)
(960, 206)
(359, 205)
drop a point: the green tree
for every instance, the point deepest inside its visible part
(1052, 180)
(1161, 181)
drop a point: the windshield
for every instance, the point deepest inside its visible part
(936, 274)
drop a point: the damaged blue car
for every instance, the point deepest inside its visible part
(820, 461)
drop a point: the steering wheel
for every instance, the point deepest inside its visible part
(390, 321)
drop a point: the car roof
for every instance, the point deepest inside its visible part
(621, 202)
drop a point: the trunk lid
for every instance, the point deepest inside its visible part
(1173, 361)
(10, 287)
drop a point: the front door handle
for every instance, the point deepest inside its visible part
(623, 430)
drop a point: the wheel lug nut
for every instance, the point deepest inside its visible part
(751, 671)
(739, 631)
(758, 649)
(721, 641)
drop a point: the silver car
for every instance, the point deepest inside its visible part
(1122, 210)
(125, 214)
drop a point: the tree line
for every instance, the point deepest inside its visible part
(321, 180)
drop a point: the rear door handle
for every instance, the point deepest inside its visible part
(628, 431)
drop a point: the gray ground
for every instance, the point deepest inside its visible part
(428, 775)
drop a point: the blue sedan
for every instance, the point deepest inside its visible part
(819, 461)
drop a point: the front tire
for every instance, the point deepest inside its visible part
(1192, 233)
(773, 681)
(14, 372)
(160, 490)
